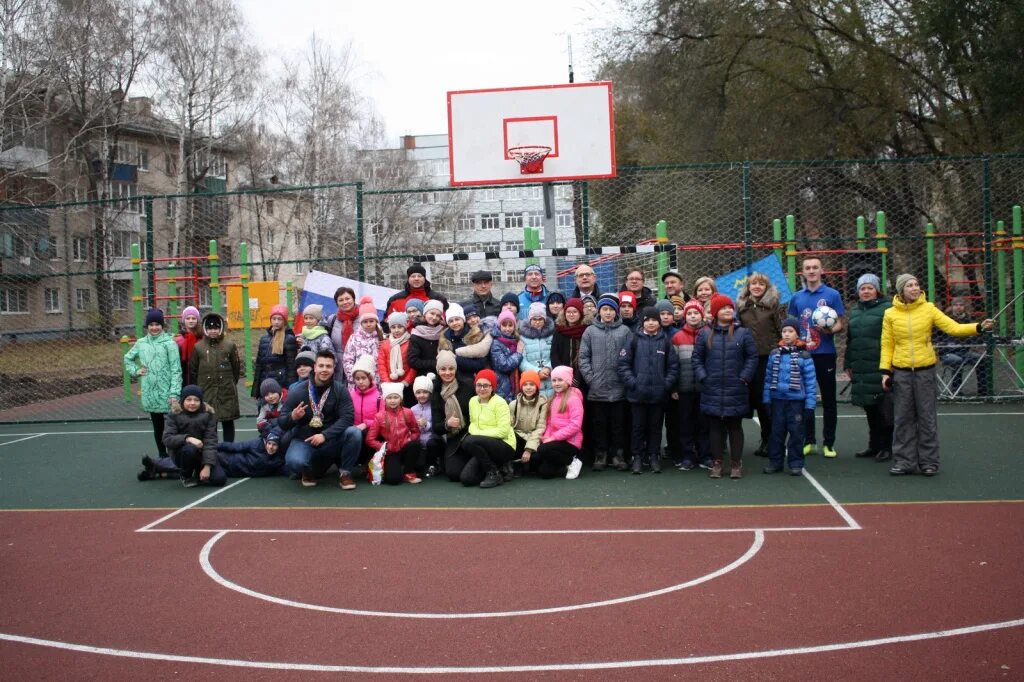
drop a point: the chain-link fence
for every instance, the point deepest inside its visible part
(70, 304)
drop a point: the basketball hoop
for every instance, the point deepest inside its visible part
(530, 158)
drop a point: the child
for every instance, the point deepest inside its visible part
(569, 328)
(789, 387)
(724, 361)
(155, 358)
(589, 306)
(216, 367)
(507, 354)
(627, 310)
(366, 400)
(703, 289)
(555, 304)
(272, 396)
(393, 357)
(314, 337)
(275, 358)
(396, 426)
(471, 345)
(304, 362)
(648, 367)
(529, 416)
(537, 332)
(366, 338)
(191, 438)
(425, 338)
(510, 301)
(561, 444)
(253, 458)
(606, 394)
(667, 317)
(693, 445)
(191, 333)
(427, 414)
(678, 310)
(414, 310)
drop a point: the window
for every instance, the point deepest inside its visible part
(51, 300)
(14, 301)
(563, 219)
(513, 220)
(121, 243)
(55, 248)
(126, 191)
(83, 299)
(170, 166)
(490, 221)
(298, 239)
(13, 245)
(535, 219)
(170, 208)
(80, 249)
(466, 222)
(421, 225)
(270, 238)
(563, 192)
(374, 226)
(205, 300)
(143, 159)
(122, 294)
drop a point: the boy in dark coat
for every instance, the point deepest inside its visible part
(789, 387)
(253, 458)
(190, 436)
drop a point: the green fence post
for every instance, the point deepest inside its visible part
(214, 278)
(777, 238)
(585, 212)
(861, 233)
(137, 289)
(289, 300)
(880, 237)
(243, 253)
(360, 246)
(791, 251)
(929, 245)
(748, 219)
(148, 208)
(1001, 272)
(531, 241)
(172, 293)
(126, 378)
(1018, 286)
(661, 236)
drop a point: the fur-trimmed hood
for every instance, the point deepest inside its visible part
(769, 300)
(586, 319)
(526, 330)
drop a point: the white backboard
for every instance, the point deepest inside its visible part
(574, 119)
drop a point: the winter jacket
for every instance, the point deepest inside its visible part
(649, 367)
(683, 342)
(526, 298)
(397, 428)
(216, 367)
(486, 306)
(266, 418)
(464, 392)
(763, 318)
(472, 348)
(271, 366)
(359, 344)
(384, 362)
(423, 353)
(314, 341)
(337, 413)
(644, 299)
(529, 419)
(565, 426)
(505, 363)
(365, 404)
(162, 380)
(537, 349)
(599, 360)
(201, 424)
(780, 362)
(907, 334)
(249, 458)
(864, 349)
(491, 419)
(725, 370)
(397, 302)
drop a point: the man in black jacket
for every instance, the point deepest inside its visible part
(320, 415)
(482, 298)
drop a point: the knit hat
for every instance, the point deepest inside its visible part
(424, 383)
(413, 303)
(627, 297)
(365, 363)
(279, 310)
(533, 268)
(469, 310)
(672, 273)
(190, 310)
(608, 300)
(791, 322)
(664, 306)
(455, 311)
(537, 309)
(445, 358)
(398, 318)
(562, 372)
(367, 309)
(392, 388)
(589, 299)
(651, 313)
(416, 269)
(902, 281)
(719, 301)
(693, 304)
(191, 390)
(869, 278)
(487, 375)
(576, 303)
(269, 386)
(306, 357)
(155, 315)
(274, 435)
(677, 301)
(433, 304)
(556, 296)
(509, 298)
(506, 315)
(529, 375)
(314, 309)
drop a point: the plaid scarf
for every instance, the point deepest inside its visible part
(795, 375)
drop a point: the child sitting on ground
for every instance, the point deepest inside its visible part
(529, 417)
(426, 411)
(253, 458)
(789, 387)
(273, 395)
(191, 438)
(396, 426)
(304, 362)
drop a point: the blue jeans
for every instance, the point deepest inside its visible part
(787, 419)
(303, 457)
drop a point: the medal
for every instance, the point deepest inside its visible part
(317, 406)
(316, 422)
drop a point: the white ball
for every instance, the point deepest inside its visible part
(824, 317)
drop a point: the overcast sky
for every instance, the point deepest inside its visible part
(410, 54)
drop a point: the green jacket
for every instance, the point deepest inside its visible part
(216, 367)
(863, 350)
(491, 419)
(162, 380)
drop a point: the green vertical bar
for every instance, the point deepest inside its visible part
(929, 245)
(986, 202)
(137, 289)
(748, 219)
(126, 378)
(1001, 273)
(172, 292)
(214, 278)
(148, 204)
(880, 237)
(289, 300)
(661, 235)
(531, 242)
(861, 233)
(243, 252)
(585, 201)
(791, 251)
(360, 245)
(777, 238)
(1018, 286)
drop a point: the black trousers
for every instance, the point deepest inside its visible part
(552, 458)
(158, 432)
(721, 428)
(647, 428)
(401, 462)
(825, 369)
(190, 460)
(879, 433)
(229, 430)
(608, 425)
(693, 428)
(431, 454)
(764, 412)
(672, 430)
(491, 453)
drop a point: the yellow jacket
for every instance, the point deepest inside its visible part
(907, 333)
(491, 419)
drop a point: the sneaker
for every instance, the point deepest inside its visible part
(600, 461)
(431, 471)
(638, 465)
(929, 470)
(829, 451)
(897, 470)
(865, 453)
(736, 470)
(716, 469)
(507, 472)
(492, 480)
(762, 449)
(796, 471)
(411, 478)
(706, 463)
(190, 482)
(574, 468)
(809, 449)
(619, 462)
(345, 481)
(771, 470)
(687, 465)
(883, 456)
(308, 481)
(655, 464)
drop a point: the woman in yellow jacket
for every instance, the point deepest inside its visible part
(908, 363)
(491, 440)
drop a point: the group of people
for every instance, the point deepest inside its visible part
(542, 383)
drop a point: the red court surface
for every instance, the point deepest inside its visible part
(920, 591)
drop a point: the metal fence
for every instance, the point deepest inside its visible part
(66, 270)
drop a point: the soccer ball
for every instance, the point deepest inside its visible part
(824, 317)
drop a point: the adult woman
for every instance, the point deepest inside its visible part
(491, 440)
(275, 358)
(759, 311)
(908, 362)
(634, 284)
(450, 416)
(341, 324)
(703, 289)
(863, 350)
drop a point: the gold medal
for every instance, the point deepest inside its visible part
(316, 422)
(317, 406)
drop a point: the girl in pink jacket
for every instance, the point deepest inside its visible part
(559, 449)
(396, 426)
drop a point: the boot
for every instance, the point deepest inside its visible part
(655, 464)
(492, 479)
(736, 471)
(507, 473)
(638, 464)
(716, 469)
(600, 460)
(762, 449)
(619, 461)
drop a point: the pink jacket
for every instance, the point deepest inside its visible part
(568, 425)
(366, 404)
(396, 427)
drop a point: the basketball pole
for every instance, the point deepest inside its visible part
(550, 231)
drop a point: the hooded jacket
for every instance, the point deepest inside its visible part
(864, 350)
(907, 334)
(529, 419)
(599, 358)
(537, 349)
(683, 342)
(780, 362)
(565, 426)
(762, 318)
(271, 366)
(201, 424)
(648, 366)
(162, 380)
(217, 368)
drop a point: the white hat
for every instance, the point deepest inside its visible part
(424, 383)
(433, 304)
(454, 310)
(365, 363)
(391, 388)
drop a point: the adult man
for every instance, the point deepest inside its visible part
(482, 298)
(673, 283)
(822, 347)
(320, 415)
(416, 287)
(533, 291)
(586, 283)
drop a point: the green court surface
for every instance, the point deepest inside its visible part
(93, 466)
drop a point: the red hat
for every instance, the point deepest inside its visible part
(627, 297)
(279, 310)
(719, 301)
(576, 303)
(489, 375)
(693, 304)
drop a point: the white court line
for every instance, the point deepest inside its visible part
(204, 561)
(218, 491)
(12, 442)
(497, 669)
(455, 531)
(832, 501)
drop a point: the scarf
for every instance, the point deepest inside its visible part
(277, 342)
(510, 341)
(573, 331)
(314, 332)
(339, 337)
(451, 404)
(395, 359)
(795, 375)
(425, 331)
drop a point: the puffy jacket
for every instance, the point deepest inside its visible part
(337, 413)
(529, 419)
(423, 352)
(725, 370)
(201, 424)
(359, 344)
(505, 363)
(780, 362)
(491, 419)
(384, 362)
(526, 298)
(397, 302)
(683, 342)
(648, 367)
(599, 360)
(365, 404)
(249, 458)
(907, 334)
(487, 306)
(864, 349)
(762, 318)
(396, 427)
(162, 380)
(537, 349)
(270, 366)
(216, 368)
(565, 426)
(472, 348)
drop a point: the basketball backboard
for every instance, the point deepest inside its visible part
(574, 119)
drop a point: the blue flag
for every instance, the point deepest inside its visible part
(732, 283)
